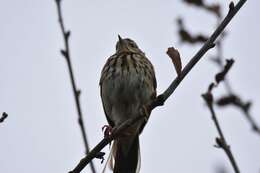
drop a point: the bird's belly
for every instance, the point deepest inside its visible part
(128, 89)
(126, 93)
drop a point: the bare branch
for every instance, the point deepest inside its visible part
(236, 101)
(209, 44)
(232, 98)
(209, 99)
(4, 116)
(159, 101)
(188, 37)
(66, 53)
(221, 141)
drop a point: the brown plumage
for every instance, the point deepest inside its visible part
(127, 84)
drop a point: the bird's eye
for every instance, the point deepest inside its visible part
(132, 44)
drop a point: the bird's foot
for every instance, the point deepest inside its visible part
(107, 129)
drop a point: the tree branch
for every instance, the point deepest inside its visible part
(208, 97)
(159, 101)
(232, 98)
(235, 100)
(221, 141)
(66, 53)
(209, 44)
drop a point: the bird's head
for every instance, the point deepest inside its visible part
(127, 45)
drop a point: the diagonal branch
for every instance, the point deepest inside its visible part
(221, 141)
(209, 44)
(159, 101)
(66, 53)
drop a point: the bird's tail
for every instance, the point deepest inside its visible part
(126, 155)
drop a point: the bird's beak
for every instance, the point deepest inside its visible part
(120, 39)
(121, 44)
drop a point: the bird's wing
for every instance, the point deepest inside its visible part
(107, 107)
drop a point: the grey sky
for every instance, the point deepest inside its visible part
(41, 133)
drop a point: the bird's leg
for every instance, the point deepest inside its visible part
(107, 129)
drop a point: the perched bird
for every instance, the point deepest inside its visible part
(127, 84)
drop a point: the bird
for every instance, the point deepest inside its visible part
(127, 84)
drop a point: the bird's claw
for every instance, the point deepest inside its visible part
(107, 129)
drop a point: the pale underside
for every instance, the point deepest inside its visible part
(126, 85)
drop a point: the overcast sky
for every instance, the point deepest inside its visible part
(41, 133)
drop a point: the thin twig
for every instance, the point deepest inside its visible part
(221, 141)
(253, 123)
(220, 58)
(4, 116)
(66, 53)
(208, 97)
(233, 99)
(159, 101)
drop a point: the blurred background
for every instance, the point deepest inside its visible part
(41, 133)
